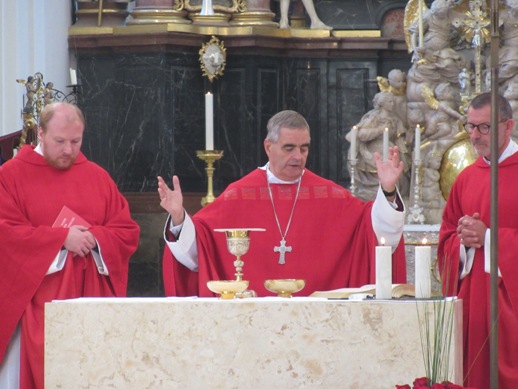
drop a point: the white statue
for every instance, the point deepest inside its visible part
(370, 139)
(316, 23)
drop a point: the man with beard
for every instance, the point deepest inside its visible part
(42, 261)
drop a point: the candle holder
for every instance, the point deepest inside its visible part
(352, 167)
(209, 156)
(415, 214)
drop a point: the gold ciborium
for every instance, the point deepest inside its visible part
(284, 288)
(238, 243)
(227, 289)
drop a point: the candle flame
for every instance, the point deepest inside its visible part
(386, 129)
(425, 241)
(382, 241)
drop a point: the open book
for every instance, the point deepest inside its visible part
(398, 291)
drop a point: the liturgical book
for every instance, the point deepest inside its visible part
(398, 291)
(68, 218)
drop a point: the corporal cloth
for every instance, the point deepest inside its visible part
(331, 236)
(32, 193)
(471, 193)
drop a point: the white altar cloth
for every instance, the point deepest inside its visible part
(249, 343)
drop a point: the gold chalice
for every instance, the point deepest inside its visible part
(284, 288)
(238, 243)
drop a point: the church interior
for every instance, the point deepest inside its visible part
(144, 72)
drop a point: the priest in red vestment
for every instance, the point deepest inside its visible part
(314, 229)
(465, 243)
(41, 262)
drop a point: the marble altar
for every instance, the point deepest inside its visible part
(248, 343)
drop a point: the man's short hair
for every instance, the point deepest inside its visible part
(504, 107)
(285, 119)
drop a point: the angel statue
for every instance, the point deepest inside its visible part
(32, 87)
(435, 25)
(316, 23)
(395, 84)
(370, 139)
(441, 120)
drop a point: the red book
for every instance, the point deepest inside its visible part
(68, 218)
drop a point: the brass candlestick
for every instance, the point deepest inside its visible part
(209, 156)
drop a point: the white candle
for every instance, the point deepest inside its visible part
(417, 151)
(206, 8)
(420, 16)
(385, 144)
(73, 77)
(354, 136)
(209, 121)
(383, 271)
(423, 283)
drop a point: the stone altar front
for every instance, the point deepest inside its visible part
(249, 343)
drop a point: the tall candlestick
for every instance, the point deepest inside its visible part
(209, 121)
(417, 151)
(385, 144)
(383, 271)
(354, 136)
(423, 283)
(73, 77)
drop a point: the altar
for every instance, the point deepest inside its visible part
(244, 343)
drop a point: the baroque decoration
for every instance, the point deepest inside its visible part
(37, 95)
(213, 58)
(449, 42)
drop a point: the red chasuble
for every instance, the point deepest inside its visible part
(32, 193)
(470, 194)
(331, 236)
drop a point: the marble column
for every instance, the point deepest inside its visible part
(257, 13)
(158, 12)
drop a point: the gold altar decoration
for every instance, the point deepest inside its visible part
(209, 156)
(37, 95)
(455, 159)
(238, 243)
(284, 287)
(213, 58)
(227, 289)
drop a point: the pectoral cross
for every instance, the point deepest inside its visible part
(282, 250)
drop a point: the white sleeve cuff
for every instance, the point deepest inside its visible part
(184, 249)
(487, 253)
(387, 222)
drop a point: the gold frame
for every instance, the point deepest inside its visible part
(213, 58)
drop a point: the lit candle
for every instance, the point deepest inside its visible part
(423, 285)
(209, 122)
(383, 271)
(354, 136)
(417, 151)
(385, 144)
(73, 77)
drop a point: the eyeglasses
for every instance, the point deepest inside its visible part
(483, 128)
